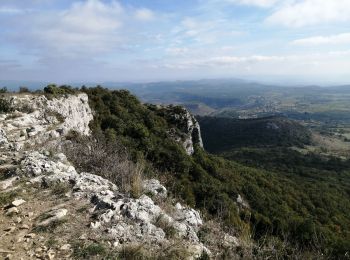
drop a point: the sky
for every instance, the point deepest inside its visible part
(151, 40)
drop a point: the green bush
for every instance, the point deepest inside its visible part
(299, 197)
(7, 197)
(5, 105)
(82, 251)
(24, 90)
(55, 91)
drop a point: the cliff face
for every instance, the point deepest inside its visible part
(190, 132)
(193, 132)
(30, 139)
(35, 119)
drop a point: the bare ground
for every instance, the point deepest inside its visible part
(21, 239)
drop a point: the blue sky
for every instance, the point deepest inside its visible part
(143, 40)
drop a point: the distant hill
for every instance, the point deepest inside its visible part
(199, 109)
(296, 203)
(13, 85)
(222, 134)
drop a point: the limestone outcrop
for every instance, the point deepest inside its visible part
(126, 219)
(37, 121)
(182, 119)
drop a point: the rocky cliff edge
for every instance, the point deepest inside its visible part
(49, 210)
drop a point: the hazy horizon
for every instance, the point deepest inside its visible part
(14, 85)
(274, 41)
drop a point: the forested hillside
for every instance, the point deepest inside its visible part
(222, 134)
(308, 210)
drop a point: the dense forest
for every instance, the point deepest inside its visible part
(300, 199)
(222, 134)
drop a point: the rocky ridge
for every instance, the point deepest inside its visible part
(190, 130)
(37, 119)
(38, 123)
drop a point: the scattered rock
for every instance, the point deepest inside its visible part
(51, 254)
(196, 251)
(188, 215)
(95, 224)
(66, 247)
(24, 226)
(3, 138)
(230, 241)
(53, 215)
(11, 211)
(29, 214)
(18, 220)
(8, 183)
(83, 237)
(9, 229)
(18, 202)
(154, 187)
(30, 235)
(38, 250)
(5, 251)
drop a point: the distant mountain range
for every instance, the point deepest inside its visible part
(167, 86)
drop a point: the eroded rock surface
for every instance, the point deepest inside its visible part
(37, 119)
(192, 130)
(116, 216)
(154, 187)
(182, 119)
(52, 216)
(126, 219)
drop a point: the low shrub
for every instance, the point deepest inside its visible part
(107, 159)
(51, 226)
(7, 197)
(132, 252)
(23, 90)
(53, 91)
(82, 251)
(5, 105)
(59, 189)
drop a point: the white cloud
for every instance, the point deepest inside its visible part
(259, 3)
(229, 60)
(343, 38)
(316, 64)
(144, 14)
(90, 27)
(225, 61)
(298, 13)
(191, 27)
(339, 53)
(203, 31)
(176, 51)
(103, 37)
(8, 64)
(91, 16)
(10, 10)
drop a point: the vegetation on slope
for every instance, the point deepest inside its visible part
(311, 211)
(222, 134)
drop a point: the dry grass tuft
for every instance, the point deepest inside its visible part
(108, 159)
